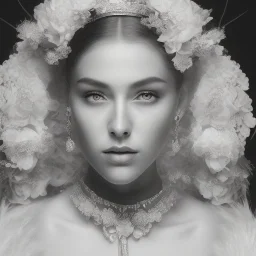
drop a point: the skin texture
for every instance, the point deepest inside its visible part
(122, 114)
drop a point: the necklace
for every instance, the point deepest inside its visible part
(121, 221)
(119, 207)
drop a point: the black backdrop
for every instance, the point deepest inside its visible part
(239, 43)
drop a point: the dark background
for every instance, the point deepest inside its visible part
(239, 43)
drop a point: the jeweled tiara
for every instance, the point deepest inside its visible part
(105, 8)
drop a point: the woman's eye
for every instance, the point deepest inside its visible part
(97, 97)
(148, 96)
(93, 96)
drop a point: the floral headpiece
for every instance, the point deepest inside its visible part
(32, 108)
(177, 22)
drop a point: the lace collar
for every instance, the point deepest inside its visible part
(122, 221)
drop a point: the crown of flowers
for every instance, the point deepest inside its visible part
(179, 24)
(32, 106)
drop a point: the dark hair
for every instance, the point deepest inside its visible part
(124, 28)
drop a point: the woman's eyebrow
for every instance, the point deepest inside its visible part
(91, 81)
(134, 85)
(148, 80)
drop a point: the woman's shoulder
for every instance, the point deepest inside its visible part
(17, 227)
(194, 222)
(41, 215)
(23, 226)
(189, 209)
(229, 230)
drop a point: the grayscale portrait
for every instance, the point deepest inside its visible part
(125, 128)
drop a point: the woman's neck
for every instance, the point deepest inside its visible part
(146, 186)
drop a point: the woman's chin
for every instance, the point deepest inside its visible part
(120, 181)
(121, 177)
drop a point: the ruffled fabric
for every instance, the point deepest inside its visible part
(237, 231)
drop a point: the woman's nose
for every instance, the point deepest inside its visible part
(120, 123)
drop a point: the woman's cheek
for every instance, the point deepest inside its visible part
(155, 133)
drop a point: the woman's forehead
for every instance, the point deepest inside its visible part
(119, 61)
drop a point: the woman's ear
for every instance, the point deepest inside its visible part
(183, 101)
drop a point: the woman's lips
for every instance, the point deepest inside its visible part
(119, 158)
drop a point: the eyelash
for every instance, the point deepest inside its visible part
(150, 93)
(87, 95)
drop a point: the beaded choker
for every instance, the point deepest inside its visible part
(119, 207)
(122, 221)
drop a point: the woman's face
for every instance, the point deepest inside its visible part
(121, 95)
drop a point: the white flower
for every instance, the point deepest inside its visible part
(217, 164)
(40, 188)
(171, 46)
(249, 120)
(218, 148)
(182, 62)
(26, 100)
(162, 5)
(243, 101)
(25, 189)
(21, 192)
(30, 31)
(26, 110)
(186, 21)
(25, 163)
(223, 83)
(55, 18)
(51, 24)
(199, 46)
(217, 193)
(83, 4)
(222, 177)
(210, 190)
(218, 107)
(19, 147)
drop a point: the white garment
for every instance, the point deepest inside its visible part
(54, 227)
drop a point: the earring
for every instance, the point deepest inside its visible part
(175, 142)
(70, 144)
